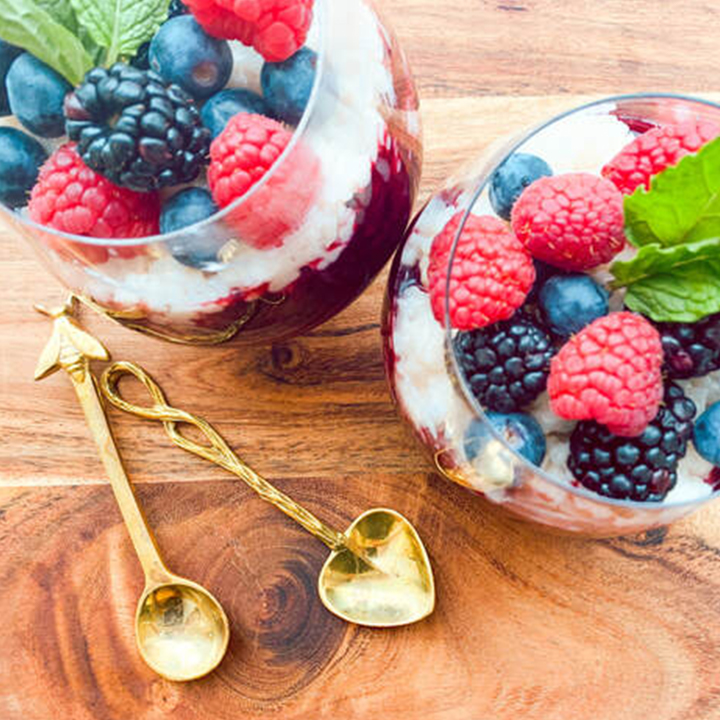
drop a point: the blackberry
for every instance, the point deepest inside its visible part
(691, 349)
(643, 468)
(142, 56)
(135, 129)
(506, 364)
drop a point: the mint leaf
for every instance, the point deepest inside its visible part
(62, 11)
(682, 205)
(654, 259)
(25, 24)
(675, 284)
(121, 26)
(664, 300)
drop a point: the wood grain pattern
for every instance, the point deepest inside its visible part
(528, 625)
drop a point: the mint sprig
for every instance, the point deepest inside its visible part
(675, 276)
(678, 284)
(62, 11)
(29, 26)
(121, 26)
(74, 36)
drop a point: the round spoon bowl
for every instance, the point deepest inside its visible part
(182, 631)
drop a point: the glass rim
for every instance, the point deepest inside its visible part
(458, 376)
(320, 11)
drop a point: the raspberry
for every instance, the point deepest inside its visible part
(240, 157)
(573, 221)
(277, 29)
(72, 198)
(655, 150)
(610, 372)
(492, 273)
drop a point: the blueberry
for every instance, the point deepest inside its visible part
(706, 435)
(36, 94)
(20, 159)
(184, 54)
(218, 110)
(287, 85)
(522, 432)
(197, 249)
(570, 302)
(8, 53)
(512, 177)
(142, 57)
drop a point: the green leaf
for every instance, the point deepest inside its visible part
(121, 26)
(675, 284)
(29, 26)
(62, 11)
(682, 205)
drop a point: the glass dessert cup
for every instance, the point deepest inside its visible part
(306, 239)
(430, 387)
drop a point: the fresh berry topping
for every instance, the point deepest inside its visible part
(8, 53)
(573, 221)
(518, 172)
(136, 129)
(569, 303)
(610, 372)
(240, 157)
(20, 159)
(218, 110)
(142, 57)
(643, 468)
(706, 436)
(287, 85)
(491, 273)
(654, 151)
(184, 54)
(36, 94)
(196, 247)
(277, 29)
(691, 349)
(521, 432)
(70, 197)
(505, 365)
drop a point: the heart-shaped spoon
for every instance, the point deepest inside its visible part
(378, 574)
(181, 629)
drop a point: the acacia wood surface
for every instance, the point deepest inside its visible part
(528, 625)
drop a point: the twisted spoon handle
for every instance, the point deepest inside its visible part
(217, 451)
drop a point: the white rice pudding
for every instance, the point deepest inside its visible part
(422, 382)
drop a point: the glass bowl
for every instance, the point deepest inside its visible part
(430, 388)
(307, 239)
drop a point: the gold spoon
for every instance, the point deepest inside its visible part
(378, 573)
(181, 630)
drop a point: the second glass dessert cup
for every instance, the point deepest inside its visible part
(517, 457)
(306, 239)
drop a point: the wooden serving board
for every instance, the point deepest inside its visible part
(528, 625)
